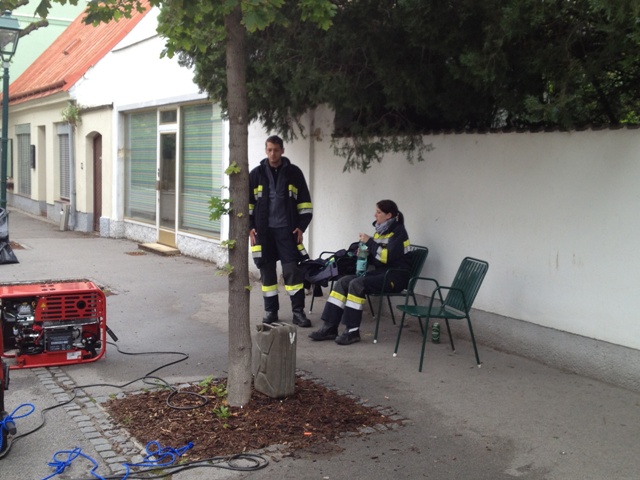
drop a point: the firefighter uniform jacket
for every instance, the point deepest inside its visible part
(389, 249)
(298, 200)
(388, 253)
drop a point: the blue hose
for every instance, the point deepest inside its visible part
(157, 456)
(164, 456)
(8, 423)
(62, 464)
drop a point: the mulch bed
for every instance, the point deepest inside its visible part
(313, 415)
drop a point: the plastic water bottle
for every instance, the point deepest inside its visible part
(361, 263)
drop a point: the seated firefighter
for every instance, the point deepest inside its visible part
(388, 249)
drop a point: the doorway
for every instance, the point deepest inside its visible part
(167, 189)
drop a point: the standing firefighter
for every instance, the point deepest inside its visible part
(280, 210)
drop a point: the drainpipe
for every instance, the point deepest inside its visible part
(72, 180)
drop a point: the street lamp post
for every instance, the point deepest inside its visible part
(9, 34)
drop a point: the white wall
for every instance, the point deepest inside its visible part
(554, 214)
(133, 72)
(93, 123)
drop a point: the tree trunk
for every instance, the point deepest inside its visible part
(239, 379)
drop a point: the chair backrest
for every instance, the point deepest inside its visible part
(418, 257)
(468, 279)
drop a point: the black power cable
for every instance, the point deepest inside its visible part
(253, 462)
(240, 462)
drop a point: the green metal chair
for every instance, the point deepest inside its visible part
(418, 258)
(455, 306)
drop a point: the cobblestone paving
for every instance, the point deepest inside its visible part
(114, 444)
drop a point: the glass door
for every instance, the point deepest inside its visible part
(167, 189)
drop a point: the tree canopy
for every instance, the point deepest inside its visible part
(395, 69)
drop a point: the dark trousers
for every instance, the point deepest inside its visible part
(281, 244)
(349, 295)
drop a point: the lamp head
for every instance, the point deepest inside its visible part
(9, 35)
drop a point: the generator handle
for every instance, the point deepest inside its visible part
(111, 334)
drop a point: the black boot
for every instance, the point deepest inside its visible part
(270, 317)
(326, 332)
(300, 319)
(348, 337)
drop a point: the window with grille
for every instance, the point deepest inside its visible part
(141, 164)
(23, 137)
(10, 157)
(201, 166)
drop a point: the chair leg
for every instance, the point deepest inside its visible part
(424, 341)
(313, 297)
(371, 306)
(378, 314)
(446, 321)
(473, 340)
(395, 352)
(393, 317)
(415, 302)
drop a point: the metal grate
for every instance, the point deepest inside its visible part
(88, 305)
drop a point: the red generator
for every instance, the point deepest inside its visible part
(59, 322)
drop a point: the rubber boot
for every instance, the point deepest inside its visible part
(326, 332)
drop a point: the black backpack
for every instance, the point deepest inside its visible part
(323, 270)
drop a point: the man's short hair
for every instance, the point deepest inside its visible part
(276, 140)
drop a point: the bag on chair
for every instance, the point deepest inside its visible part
(323, 270)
